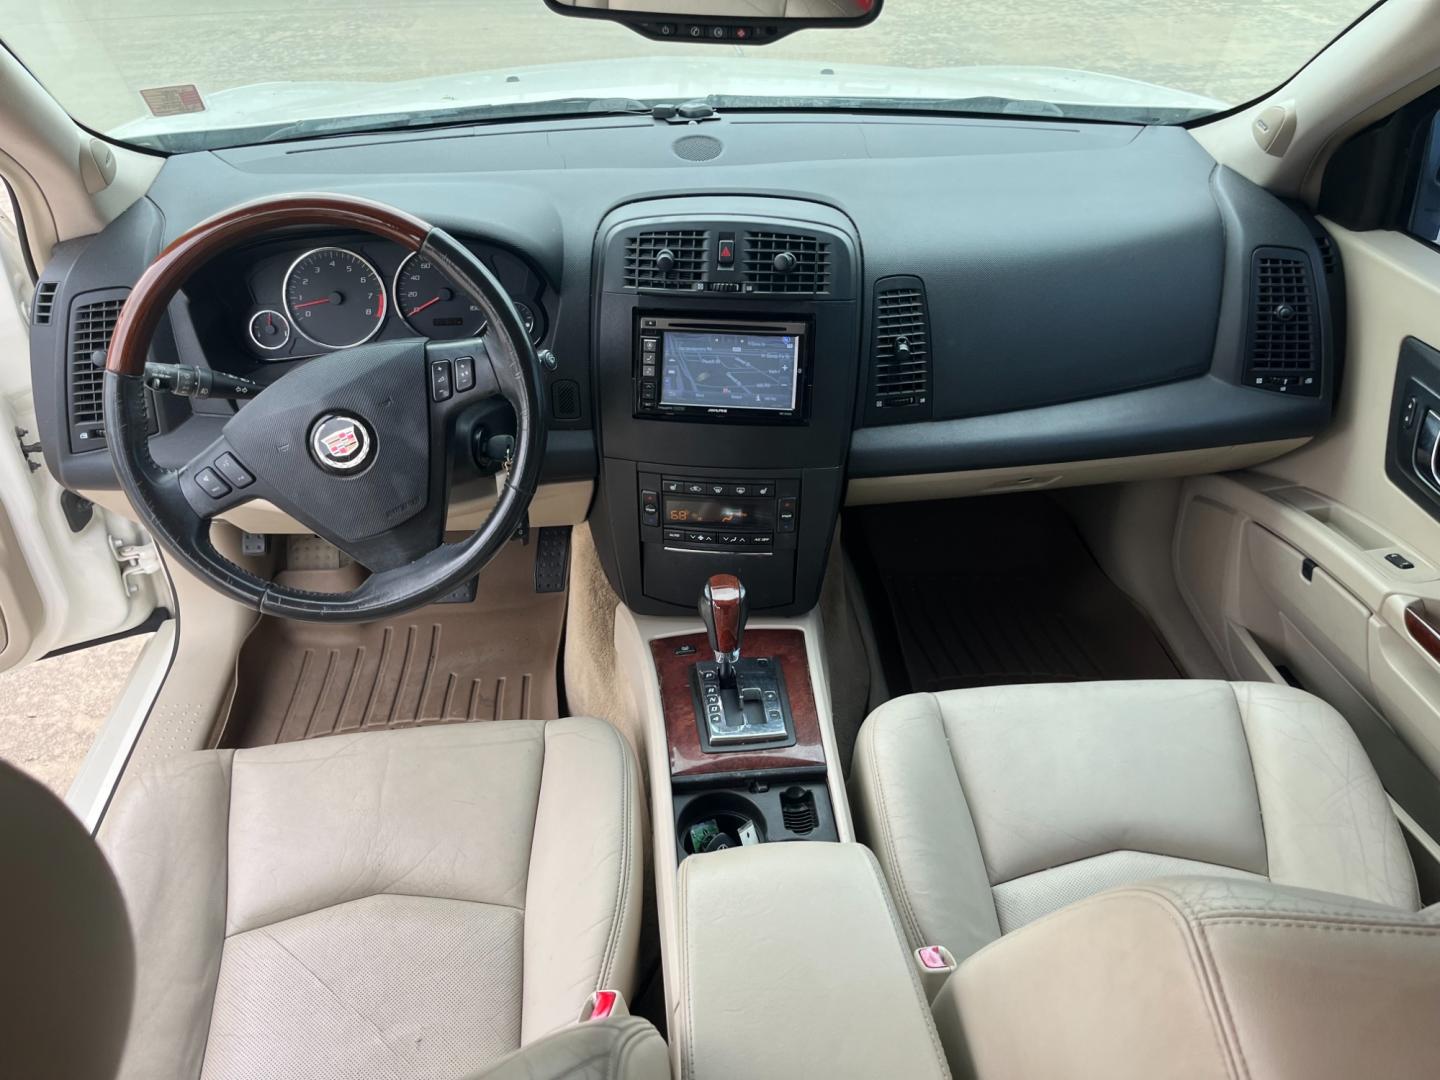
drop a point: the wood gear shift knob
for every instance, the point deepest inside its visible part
(723, 610)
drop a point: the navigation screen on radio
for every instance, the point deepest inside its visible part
(730, 371)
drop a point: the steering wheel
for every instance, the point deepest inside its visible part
(355, 444)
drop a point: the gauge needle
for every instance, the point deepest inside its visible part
(312, 303)
(427, 303)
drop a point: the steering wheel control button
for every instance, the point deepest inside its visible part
(341, 443)
(230, 468)
(464, 373)
(209, 482)
(442, 383)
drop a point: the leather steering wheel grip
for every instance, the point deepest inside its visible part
(156, 492)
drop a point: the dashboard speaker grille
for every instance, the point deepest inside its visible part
(1283, 350)
(683, 268)
(565, 400)
(45, 302)
(900, 356)
(91, 324)
(787, 263)
(697, 147)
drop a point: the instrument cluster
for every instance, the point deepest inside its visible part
(323, 296)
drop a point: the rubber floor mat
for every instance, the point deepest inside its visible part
(998, 590)
(493, 658)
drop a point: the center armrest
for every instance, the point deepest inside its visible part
(793, 963)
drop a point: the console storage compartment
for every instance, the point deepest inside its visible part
(793, 963)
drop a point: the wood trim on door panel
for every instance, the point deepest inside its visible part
(1422, 631)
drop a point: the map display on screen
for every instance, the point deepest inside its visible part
(730, 371)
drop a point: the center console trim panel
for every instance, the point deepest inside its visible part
(644, 442)
(674, 659)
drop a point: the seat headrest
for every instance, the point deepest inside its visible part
(69, 962)
(1202, 977)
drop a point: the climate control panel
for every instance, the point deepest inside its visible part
(745, 517)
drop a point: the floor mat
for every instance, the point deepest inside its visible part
(986, 591)
(491, 659)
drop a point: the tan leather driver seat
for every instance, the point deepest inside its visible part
(398, 904)
(990, 808)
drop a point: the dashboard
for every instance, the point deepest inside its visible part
(744, 316)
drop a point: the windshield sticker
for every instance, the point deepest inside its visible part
(173, 100)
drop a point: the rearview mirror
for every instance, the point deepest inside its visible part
(721, 22)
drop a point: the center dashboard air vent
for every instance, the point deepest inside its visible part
(729, 259)
(1282, 350)
(788, 263)
(92, 321)
(668, 259)
(900, 351)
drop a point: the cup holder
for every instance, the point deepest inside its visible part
(764, 809)
(717, 820)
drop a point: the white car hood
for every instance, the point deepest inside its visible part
(655, 79)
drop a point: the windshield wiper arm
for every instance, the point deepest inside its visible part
(460, 114)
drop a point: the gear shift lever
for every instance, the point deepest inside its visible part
(739, 702)
(723, 610)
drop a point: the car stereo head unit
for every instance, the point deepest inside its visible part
(750, 371)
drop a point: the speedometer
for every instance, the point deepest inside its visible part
(430, 305)
(334, 297)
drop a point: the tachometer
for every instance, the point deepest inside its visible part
(334, 297)
(430, 305)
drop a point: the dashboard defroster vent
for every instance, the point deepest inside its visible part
(669, 259)
(92, 321)
(900, 356)
(786, 263)
(45, 302)
(1283, 346)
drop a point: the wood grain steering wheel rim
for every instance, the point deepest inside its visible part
(390, 515)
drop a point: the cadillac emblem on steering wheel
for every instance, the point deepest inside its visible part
(340, 443)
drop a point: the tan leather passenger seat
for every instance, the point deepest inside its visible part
(990, 808)
(401, 904)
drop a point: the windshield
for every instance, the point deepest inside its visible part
(189, 74)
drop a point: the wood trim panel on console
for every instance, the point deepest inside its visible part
(682, 728)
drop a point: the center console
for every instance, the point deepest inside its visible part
(727, 350)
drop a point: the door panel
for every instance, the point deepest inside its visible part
(1305, 573)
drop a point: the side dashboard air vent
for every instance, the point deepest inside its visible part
(45, 302)
(92, 321)
(1283, 348)
(1327, 253)
(669, 259)
(900, 353)
(786, 263)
